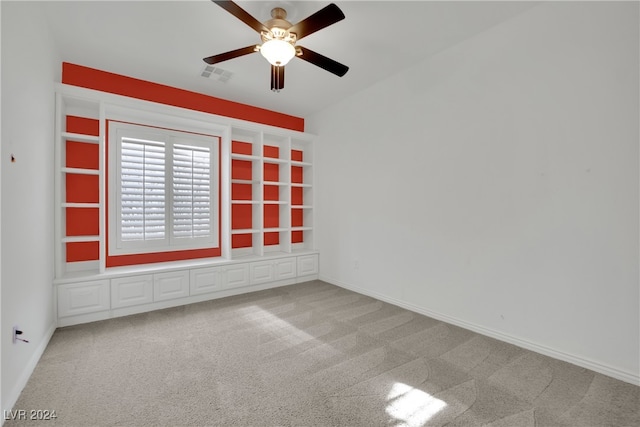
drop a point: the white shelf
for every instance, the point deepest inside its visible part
(244, 181)
(275, 202)
(80, 171)
(69, 136)
(273, 160)
(76, 239)
(275, 183)
(244, 157)
(297, 163)
(301, 207)
(245, 202)
(81, 205)
(301, 228)
(275, 230)
(245, 231)
(294, 184)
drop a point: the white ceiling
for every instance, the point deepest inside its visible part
(165, 41)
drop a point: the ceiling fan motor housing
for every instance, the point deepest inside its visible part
(278, 19)
(278, 27)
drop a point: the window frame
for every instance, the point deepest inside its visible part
(170, 135)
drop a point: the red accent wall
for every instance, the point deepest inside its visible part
(85, 188)
(83, 251)
(241, 215)
(271, 212)
(91, 78)
(82, 189)
(297, 197)
(83, 125)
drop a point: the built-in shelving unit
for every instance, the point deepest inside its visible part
(79, 195)
(266, 213)
(272, 199)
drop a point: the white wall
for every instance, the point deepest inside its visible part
(1, 162)
(495, 185)
(30, 66)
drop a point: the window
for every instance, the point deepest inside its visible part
(163, 190)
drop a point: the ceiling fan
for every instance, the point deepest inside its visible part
(279, 39)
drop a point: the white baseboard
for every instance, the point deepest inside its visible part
(13, 396)
(547, 351)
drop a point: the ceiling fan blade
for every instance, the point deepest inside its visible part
(323, 18)
(241, 14)
(323, 62)
(230, 55)
(277, 78)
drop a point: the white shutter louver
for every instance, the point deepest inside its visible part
(191, 207)
(142, 180)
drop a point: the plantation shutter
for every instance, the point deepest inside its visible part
(163, 193)
(142, 178)
(191, 208)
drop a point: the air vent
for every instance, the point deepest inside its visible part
(215, 73)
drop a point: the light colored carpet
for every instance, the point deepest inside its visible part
(310, 354)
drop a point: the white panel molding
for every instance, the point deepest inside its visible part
(159, 305)
(170, 285)
(83, 298)
(236, 275)
(307, 265)
(165, 286)
(601, 368)
(144, 308)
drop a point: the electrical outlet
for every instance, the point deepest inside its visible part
(17, 334)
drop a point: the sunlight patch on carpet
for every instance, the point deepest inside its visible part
(412, 407)
(278, 327)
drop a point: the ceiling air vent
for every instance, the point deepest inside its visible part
(215, 73)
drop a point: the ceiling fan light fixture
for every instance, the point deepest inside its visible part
(279, 40)
(277, 52)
